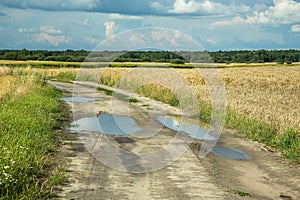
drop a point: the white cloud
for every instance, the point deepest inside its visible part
(211, 41)
(22, 30)
(127, 17)
(137, 40)
(172, 39)
(233, 22)
(157, 6)
(92, 40)
(282, 12)
(296, 28)
(84, 22)
(110, 28)
(50, 30)
(26, 30)
(205, 7)
(53, 40)
(80, 4)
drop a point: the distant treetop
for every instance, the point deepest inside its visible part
(241, 56)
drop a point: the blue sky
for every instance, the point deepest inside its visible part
(214, 24)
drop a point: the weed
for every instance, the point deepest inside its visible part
(240, 193)
(117, 95)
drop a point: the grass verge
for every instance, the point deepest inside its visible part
(29, 135)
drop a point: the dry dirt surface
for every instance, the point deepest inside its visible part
(265, 176)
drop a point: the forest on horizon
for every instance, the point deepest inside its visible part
(180, 57)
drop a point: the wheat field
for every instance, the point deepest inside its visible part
(269, 94)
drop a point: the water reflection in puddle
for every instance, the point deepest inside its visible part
(80, 99)
(193, 131)
(108, 124)
(231, 153)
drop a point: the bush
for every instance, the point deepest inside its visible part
(177, 61)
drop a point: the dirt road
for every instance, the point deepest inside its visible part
(265, 176)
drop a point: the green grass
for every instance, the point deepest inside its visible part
(117, 95)
(159, 93)
(287, 142)
(64, 77)
(28, 138)
(240, 193)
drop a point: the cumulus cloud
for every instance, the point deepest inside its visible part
(233, 22)
(281, 12)
(50, 30)
(138, 39)
(172, 39)
(205, 7)
(296, 28)
(110, 28)
(53, 40)
(126, 17)
(150, 38)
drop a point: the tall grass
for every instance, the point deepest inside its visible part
(28, 138)
(285, 140)
(159, 93)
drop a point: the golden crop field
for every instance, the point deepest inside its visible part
(267, 93)
(270, 94)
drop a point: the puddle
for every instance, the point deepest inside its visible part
(193, 131)
(108, 124)
(169, 123)
(231, 153)
(80, 99)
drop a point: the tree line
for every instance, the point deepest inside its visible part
(180, 57)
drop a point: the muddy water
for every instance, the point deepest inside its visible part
(231, 153)
(194, 131)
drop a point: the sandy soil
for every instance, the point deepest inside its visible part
(266, 176)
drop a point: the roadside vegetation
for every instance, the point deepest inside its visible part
(30, 122)
(262, 99)
(263, 103)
